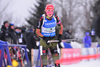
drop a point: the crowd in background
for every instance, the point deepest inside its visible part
(18, 35)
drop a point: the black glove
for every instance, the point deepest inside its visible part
(60, 38)
(46, 40)
(59, 44)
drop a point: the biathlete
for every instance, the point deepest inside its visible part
(46, 29)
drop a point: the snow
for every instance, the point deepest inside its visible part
(92, 63)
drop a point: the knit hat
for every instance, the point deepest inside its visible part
(11, 24)
(5, 22)
(49, 6)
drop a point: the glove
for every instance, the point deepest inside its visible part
(60, 38)
(59, 44)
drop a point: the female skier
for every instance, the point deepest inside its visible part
(46, 29)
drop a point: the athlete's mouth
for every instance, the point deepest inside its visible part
(50, 14)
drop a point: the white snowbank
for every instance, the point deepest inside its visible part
(93, 63)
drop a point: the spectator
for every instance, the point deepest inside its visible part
(4, 31)
(67, 34)
(12, 34)
(93, 36)
(93, 32)
(97, 25)
(30, 41)
(20, 39)
(97, 28)
(87, 40)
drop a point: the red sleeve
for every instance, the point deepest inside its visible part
(38, 30)
(40, 23)
(39, 33)
(59, 24)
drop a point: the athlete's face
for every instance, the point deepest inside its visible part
(49, 12)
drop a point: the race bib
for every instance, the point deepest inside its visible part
(20, 40)
(48, 30)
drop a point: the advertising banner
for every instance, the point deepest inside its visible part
(70, 56)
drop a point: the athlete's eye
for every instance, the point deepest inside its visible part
(49, 10)
(52, 10)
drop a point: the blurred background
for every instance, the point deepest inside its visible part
(77, 16)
